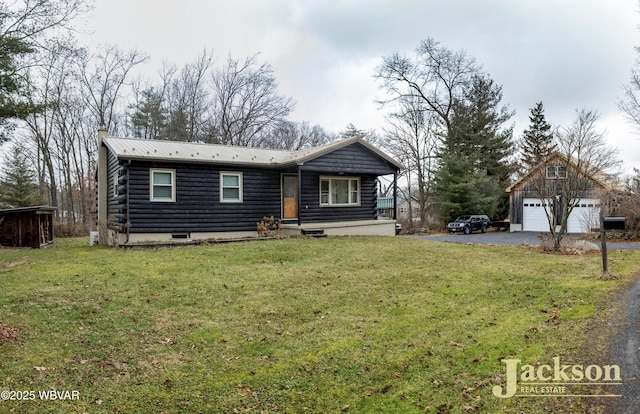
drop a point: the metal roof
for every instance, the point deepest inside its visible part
(131, 148)
(384, 202)
(27, 209)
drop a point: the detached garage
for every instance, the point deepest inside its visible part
(530, 212)
(536, 213)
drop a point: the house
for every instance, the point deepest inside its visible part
(402, 206)
(385, 207)
(529, 211)
(162, 190)
(27, 227)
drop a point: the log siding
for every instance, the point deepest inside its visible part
(313, 212)
(199, 207)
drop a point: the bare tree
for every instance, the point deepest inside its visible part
(246, 102)
(102, 76)
(436, 77)
(422, 92)
(579, 169)
(32, 20)
(289, 135)
(188, 103)
(64, 144)
(410, 136)
(27, 28)
(630, 103)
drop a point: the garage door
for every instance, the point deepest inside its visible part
(534, 217)
(585, 216)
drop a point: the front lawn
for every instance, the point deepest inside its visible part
(297, 325)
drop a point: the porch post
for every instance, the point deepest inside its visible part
(299, 196)
(395, 195)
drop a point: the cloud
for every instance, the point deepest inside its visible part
(569, 54)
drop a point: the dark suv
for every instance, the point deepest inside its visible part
(469, 224)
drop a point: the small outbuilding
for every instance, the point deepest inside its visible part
(27, 227)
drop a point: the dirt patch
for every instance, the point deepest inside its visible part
(8, 334)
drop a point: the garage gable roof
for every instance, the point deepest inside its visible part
(604, 180)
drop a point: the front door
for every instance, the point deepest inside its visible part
(289, 196)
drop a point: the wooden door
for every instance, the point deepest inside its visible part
(289, 196)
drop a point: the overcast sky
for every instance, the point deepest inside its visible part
(568, 53)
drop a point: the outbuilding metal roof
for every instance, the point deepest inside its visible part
(27, 209)
(131, 148)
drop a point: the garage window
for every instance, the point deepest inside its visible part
(556, 172)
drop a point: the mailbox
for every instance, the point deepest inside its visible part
(615, 223)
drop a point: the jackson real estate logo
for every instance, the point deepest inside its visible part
(557, 380)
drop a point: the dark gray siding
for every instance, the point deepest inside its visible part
(197, 207)
(312, 212)
(116, 213)
(354, 158)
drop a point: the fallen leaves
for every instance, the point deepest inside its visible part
(8, 334)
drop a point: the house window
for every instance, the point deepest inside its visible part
(163, 185)
(402, 210)
(556, 171)
(115, 185)
(230, 187)
(338, 191)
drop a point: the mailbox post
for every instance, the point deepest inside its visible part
(609, 223)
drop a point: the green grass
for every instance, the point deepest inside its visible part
(297, 325)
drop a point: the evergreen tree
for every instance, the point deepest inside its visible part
(12, 104)
(18, 187)
(148, 118)
(351, 131)
(475, 166)
(537, 141)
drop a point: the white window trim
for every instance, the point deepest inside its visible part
(173, 185)
(330, 204)
(240, 187)
(556, 169)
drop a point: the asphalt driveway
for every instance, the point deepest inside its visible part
(501, 238)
